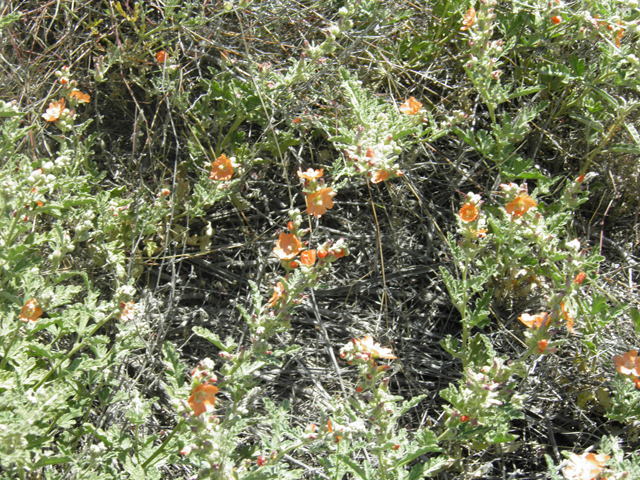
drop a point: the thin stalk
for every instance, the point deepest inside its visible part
(161, 448)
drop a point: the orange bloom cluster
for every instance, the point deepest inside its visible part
(629, 365)
(202, 399)
(221, 169)
(520, 205)
(587, 466)
(410, 106)
(469, 19)
(30, 311)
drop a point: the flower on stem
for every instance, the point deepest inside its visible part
(127, 311)
(287, 246)
(319, 202)
(308, 258)
(161, 56)
(531, 321)
(379, 176)
(579, 278)
(261, 461)
(410, 106)
(202, 399)
(469, 19)
(469, 212)
(520, 205)
(587, 466)
(221, 169)
(374, 349)
(278, 293)
(80, 97)
(556, 19)
(54, 111)
(30, 311)
(628, 363)
(311, 174)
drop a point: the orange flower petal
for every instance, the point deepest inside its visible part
(308, 257)
(54, 111)
(287, 246)
(379, 176)
(520, 205)
(319, 202)
(468, 212)
(221, 169)
(311, 174)
(80, 97)
(30, 312)
(202, 399)
(469, 19)
(410, 106)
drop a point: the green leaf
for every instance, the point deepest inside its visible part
(226, 346)
(596, 125)
(176, 366)
(624, 148)
(354, 467)
(635, 317)
(407, 405)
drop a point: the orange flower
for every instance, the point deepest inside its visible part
(520, 205)
(469, 19)
(311, 174)
(628, 364)
(221, 169)
(482, 233)
(318, 203)
(80, 97)
(54, 111)
(30, 312)
(368, 346)
(542, 345)
(580, 278)
(410, 107)
(287, 246)
(161, 56)
(294, 264)
(585, 467)
(619, 35)
(278, 293)
(379, 176)
(469, 212)
(308, 257)
(127, 311)
(536, 321)
(556, 19)
(566, 316)
(202, 399)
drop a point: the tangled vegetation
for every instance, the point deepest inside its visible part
(359, 239)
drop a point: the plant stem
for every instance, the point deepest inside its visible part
(161, 448)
